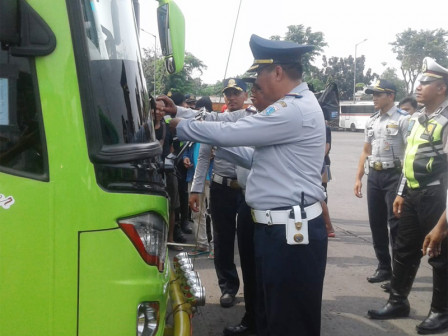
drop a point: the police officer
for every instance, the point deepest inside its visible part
(421, 202)
(385, 141)
(283, 188)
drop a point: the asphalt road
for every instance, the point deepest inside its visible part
(347, 294)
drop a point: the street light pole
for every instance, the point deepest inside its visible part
(155, 59)
(354, 72)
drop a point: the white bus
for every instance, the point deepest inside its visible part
(353, 116)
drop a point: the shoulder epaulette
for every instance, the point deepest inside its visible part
(251, 109)
(293, 94)
(402, 112)
(375, 114)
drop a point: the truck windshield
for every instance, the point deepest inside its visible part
(115, 102)
(118, 100)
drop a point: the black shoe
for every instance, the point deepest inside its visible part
(178, 236)
(393, 309)
(380, 276)
(186, 227)
(386, 287)
(434, 323)
(227, 300)
(240, 329)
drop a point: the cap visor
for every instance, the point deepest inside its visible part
(425, 78)
(253, 68)
(249, 79)
(232, 87)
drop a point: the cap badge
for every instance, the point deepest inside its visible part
(231, 82)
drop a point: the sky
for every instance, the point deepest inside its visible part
(209, 27)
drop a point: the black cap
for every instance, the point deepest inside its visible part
(275, 52)
(382, 86)
(190, 98)
(177, 97)
(234, 83)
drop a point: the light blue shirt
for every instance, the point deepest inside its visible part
(220, 166)
(387, 134)
(288, 140)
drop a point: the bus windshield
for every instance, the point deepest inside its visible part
(118, 103)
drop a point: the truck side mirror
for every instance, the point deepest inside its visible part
(172, 35)
(23, 31)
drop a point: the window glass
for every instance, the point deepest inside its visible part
(118, 87)
(22, 146)
(4, 102)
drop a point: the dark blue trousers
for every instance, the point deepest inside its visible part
(224, 205)
(421, 211)
(289, 280)
(245, 233)
(381, 192)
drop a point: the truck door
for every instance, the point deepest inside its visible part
(26, 234)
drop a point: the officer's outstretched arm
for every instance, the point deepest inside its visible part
(367, 150)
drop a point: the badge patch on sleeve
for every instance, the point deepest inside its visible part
(271, 109)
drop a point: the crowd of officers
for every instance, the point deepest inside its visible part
(278, 153)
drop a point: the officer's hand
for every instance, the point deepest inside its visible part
(398, 206)
(187, 162)
(174, 122)
(169, 108)
(432, 245)
(193, 201)
(357, 189)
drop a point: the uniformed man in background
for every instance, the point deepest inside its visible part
(408, 104)
(384, 144)
(283, 188)
(421, 202)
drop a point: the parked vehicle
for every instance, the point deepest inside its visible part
(83, 206)
(354, 116)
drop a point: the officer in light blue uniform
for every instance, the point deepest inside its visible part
(384, 145)
(283, 188)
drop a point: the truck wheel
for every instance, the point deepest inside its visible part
(353, 128)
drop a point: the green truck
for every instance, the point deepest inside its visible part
(83, 206)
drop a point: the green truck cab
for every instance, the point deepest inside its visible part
(83, 206)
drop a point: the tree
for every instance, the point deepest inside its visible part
(301, 35)
(412, 47)
(390, 74)
(341, 71)
(211, 89)
(183, 81)
(148, 59)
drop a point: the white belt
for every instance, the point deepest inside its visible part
(272, 217)
(377, 165)
(227, 181)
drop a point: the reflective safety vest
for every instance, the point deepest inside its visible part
(424, 159)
